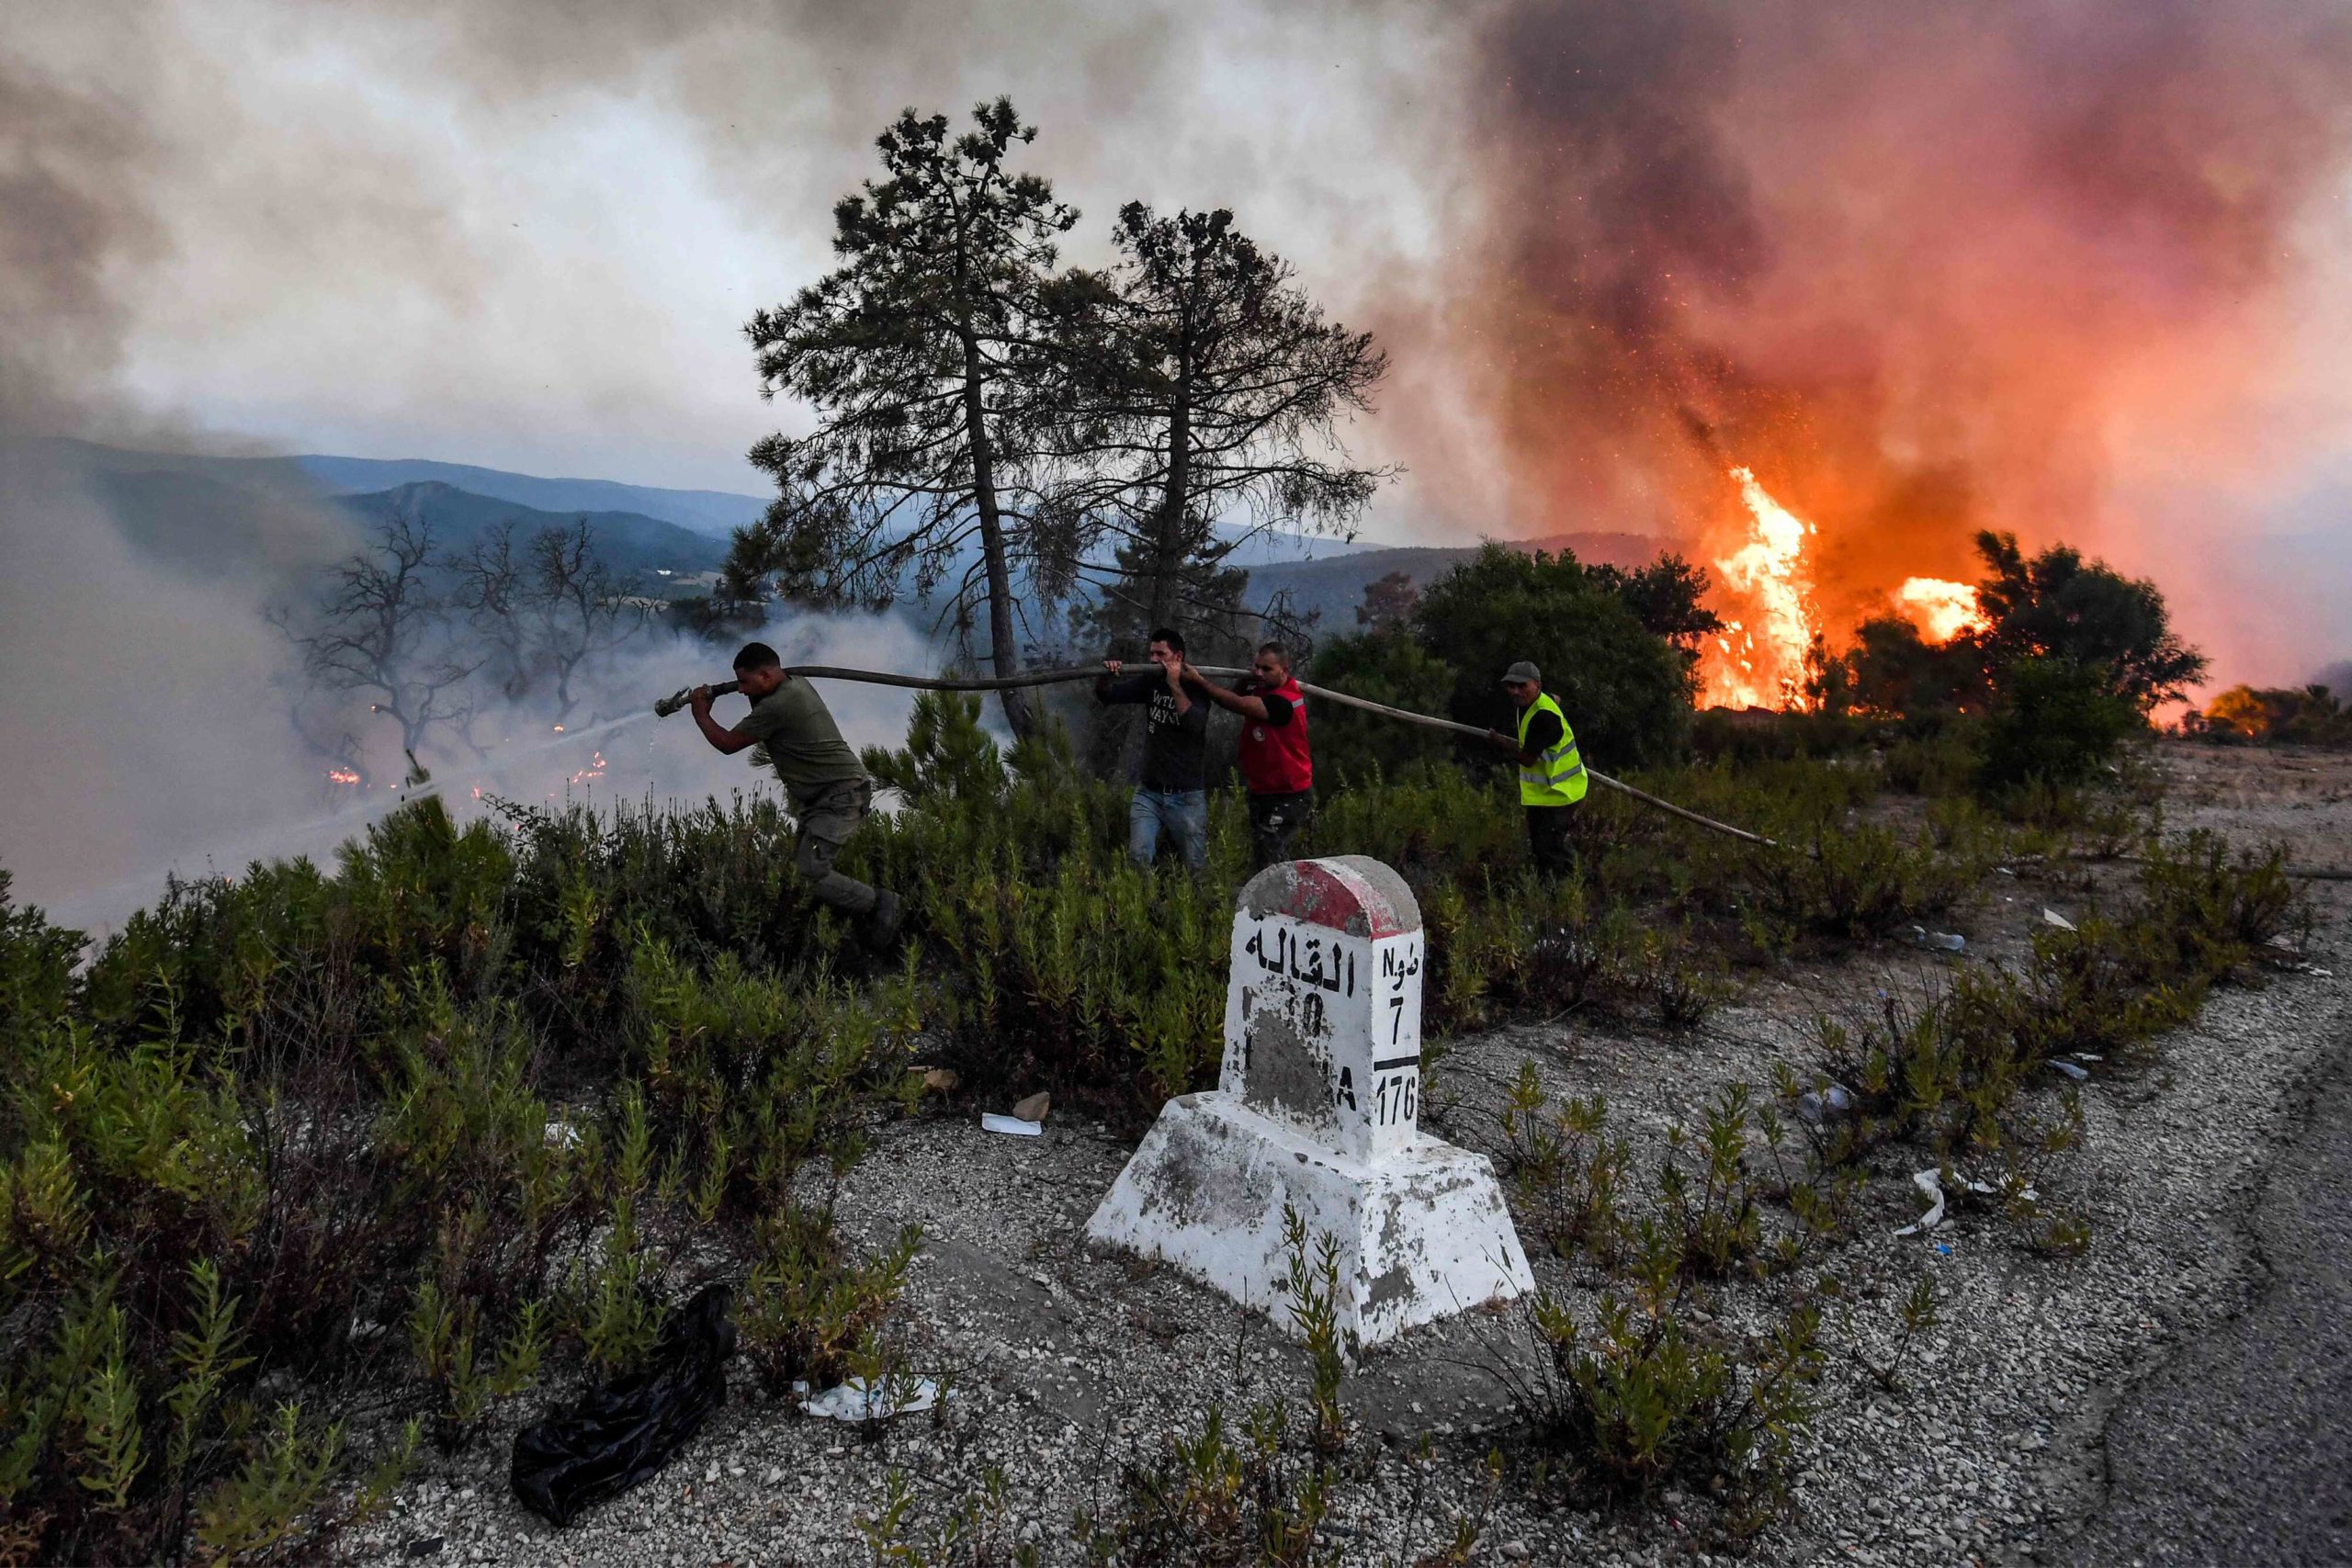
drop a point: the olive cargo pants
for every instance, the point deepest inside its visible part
(828, 817)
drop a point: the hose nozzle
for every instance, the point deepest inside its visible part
(678, 699)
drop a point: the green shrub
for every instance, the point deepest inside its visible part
(1355, 748)
(1566, 1173)
(1625, 689)
(1637, 1401)
(807, 1305)
(2055, 723)
(1218, 1497)
(1310, 1289)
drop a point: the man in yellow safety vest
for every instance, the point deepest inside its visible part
(1551, 772)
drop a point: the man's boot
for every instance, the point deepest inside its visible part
(882, 925)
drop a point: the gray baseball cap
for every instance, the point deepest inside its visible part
(1523, 671)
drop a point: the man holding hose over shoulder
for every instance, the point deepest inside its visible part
(827, 785)
(1275, 761)
(1171, 797)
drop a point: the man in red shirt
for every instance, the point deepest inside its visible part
(1276, 762)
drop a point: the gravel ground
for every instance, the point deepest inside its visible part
(1995, 1451)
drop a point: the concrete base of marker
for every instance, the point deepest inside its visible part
(1422, 1235)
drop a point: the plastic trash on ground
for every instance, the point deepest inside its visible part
(2052, 918)
(1930, 1182)
(1820, 1105)
(856, 1401)
(614, 1436)
(997, 1121)
(2073, 1070)
(1941, 942)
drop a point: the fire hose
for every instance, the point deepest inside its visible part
(671, 705)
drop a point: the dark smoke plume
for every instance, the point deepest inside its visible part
(1920, 266)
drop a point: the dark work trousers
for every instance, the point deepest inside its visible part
(828, 817)
(1276, 823)
(1547, 840)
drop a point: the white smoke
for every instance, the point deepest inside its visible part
(262, 798)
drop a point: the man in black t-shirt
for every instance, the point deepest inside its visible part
(1171, 797)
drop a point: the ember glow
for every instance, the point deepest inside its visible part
(1941, 610)
(1764, 597)
(342, 776)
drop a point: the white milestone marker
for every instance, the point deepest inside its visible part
(1317, 1109)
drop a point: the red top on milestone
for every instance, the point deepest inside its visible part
(1347, 893)
(1274, 759)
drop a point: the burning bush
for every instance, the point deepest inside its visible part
(2312, 716)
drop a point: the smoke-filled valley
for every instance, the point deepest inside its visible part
(167, 601)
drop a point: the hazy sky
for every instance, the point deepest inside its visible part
(530, 236)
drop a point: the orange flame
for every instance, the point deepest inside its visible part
(342, 776)
(1941, 610)
(1759, 662)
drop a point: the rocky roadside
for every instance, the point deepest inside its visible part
(1063, 1365)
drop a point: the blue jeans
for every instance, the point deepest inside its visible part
(1181, 814)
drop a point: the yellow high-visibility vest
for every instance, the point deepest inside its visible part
(1557, 776)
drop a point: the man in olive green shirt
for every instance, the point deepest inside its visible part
(822, 778)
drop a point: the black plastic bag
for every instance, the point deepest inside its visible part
(619, 1434)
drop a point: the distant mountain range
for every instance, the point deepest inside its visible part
(630, 542)
(714, 512)
(213, 515)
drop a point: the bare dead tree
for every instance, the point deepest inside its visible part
(381, 631)
(576, 607)
(543, 612)
(489, 588)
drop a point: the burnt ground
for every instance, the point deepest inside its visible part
(2168, 1396)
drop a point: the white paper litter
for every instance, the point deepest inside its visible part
(2052, 918)
(2079, 1073)
(853, 1401)
(1932, 1182)
(996, 1122)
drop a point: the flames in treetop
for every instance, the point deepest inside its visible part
(1764, 597)
(1940, 610)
